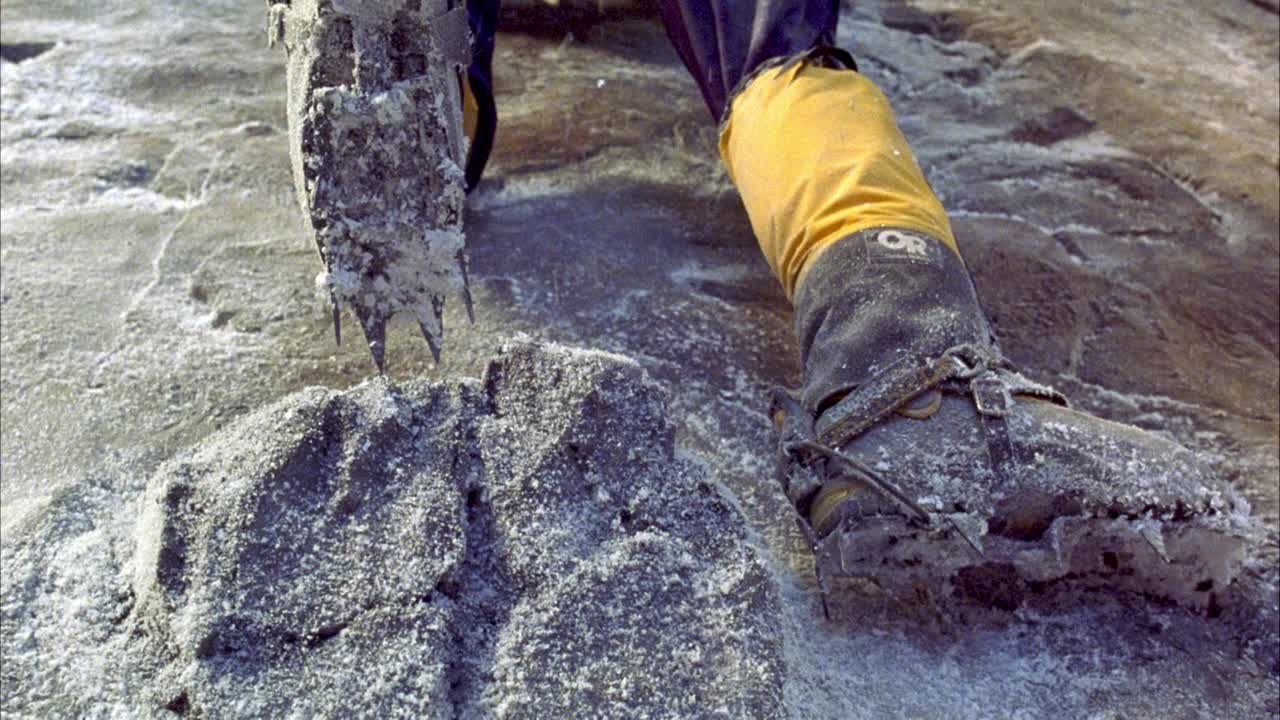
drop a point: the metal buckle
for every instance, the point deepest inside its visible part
(991, 395)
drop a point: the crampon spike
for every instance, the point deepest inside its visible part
(1155, 538)
(466, 288)
(431, 341)
(337, 322)
(375, 332)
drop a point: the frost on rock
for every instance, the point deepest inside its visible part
(633, 590)
(274, 560)
(376, 141)
(526, 546)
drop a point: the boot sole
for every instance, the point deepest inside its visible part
(1188, 562)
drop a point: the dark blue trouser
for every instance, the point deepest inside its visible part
(720, 41)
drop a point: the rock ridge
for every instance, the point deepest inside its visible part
(510, 547)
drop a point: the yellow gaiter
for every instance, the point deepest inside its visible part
(470, 110)
(816, 155)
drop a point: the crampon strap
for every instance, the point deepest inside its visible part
(881, 396)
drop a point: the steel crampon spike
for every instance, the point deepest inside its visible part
(432, 343)
(375, 333)
(466, 288)
(337, 321)
(433, 337)
(1155, 538)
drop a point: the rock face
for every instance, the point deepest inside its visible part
(528, 546)
(296, 563)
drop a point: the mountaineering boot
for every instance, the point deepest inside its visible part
(915, 454)
(377, 144)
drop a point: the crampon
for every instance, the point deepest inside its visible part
(918, 456)
(377, 147)
(986, 488)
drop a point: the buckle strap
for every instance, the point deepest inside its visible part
(992, 399)
(884, 394)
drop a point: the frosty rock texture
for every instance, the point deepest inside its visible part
(632, 589)
(291, 565)
(524, 546)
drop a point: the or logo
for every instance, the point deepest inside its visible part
(899, 245)
(901, 242)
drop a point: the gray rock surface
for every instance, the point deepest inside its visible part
(309, 540)
(629, 582)
(157, 284)
(527, 546)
